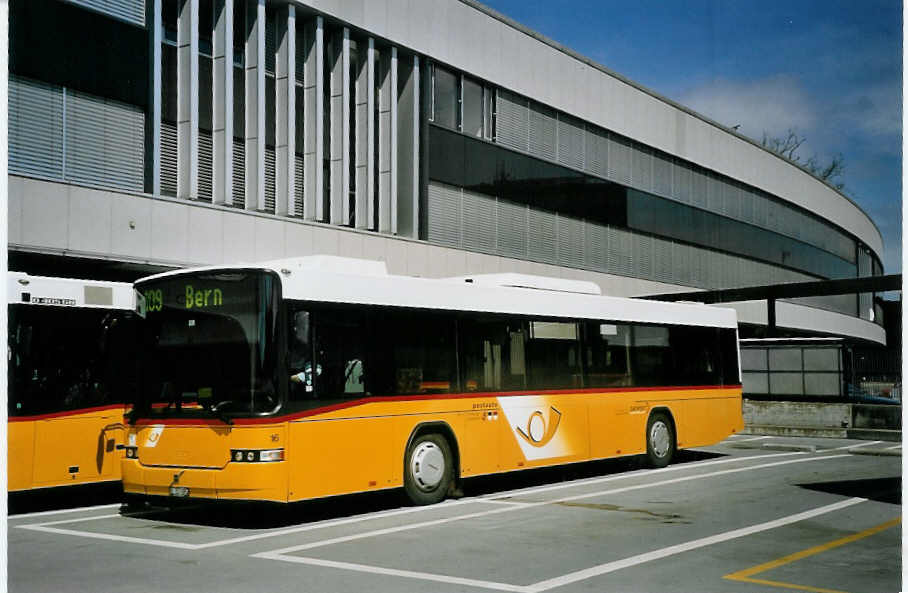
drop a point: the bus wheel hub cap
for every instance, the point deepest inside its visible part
(427, 464)
(659, 439)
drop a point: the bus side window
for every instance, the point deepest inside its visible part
(339, 338)
(607, 350)
(493, 354)
(299, 355)
(413, 353)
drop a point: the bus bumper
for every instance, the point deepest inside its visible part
(236, 481)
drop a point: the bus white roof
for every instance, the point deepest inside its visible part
(25, 289)
(345, 280)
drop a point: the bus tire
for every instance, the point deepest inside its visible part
(428, 469)
(660, 440)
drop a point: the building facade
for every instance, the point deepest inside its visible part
(437, 135)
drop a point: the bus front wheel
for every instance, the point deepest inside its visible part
(660, 440)
(428, 469)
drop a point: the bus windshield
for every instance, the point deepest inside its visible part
(207, 345)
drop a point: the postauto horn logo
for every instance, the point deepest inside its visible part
(535, 423)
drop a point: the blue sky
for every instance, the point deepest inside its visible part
(830, 70)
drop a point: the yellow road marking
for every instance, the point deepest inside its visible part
(746, 574)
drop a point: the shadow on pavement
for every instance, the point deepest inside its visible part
(876, 489)
(252, 515)
(64, 497)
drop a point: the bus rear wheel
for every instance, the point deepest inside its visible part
(428, 469)
(660, 440)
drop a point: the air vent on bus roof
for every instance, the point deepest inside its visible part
(532, 282)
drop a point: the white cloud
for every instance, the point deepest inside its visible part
(773, 105)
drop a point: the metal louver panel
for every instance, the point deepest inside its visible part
(597, 152)
(760, 207)
(298, 169)
(570, 241)
(269, 179)
(619, 159)
(239, 180)
(270, 40)
(698, 188)
(662, 260)
(132, 11)
(715, 198)
(479, 234)
(732, 200)
(746, 198)
(444, 205)
(35, 128)
(512, 229)
(542, 132)
(662, 175)
(105, 142)
(571, 136)
(642, 255)
(642, 168)
(168, 158)
(205, 165)
(512, 124)
(620, 251)
(541, 236)
(696, 264)
(596, 246)
(681, 182)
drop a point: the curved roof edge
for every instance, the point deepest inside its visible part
(593, 64)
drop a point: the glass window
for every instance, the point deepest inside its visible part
(207, 340)
(340, 354)
(493, 354)
(299, 355)
(488, 112)
(553, 355)
(651, 356)
(65, 358)
(446, 98)
(607, 352)
(413, 353)
(472, 108)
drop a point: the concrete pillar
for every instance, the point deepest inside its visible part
(153, 121)
(188, 100)
(340, 128)
(222, 103)
(285, 110)
(365, 137)
(407, 195)
(387, 139)
(313, 116)
(255, 105)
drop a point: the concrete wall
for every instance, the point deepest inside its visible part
(473, 39)
(797, 414)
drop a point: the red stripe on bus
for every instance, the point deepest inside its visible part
(403, 398)
(66, 413)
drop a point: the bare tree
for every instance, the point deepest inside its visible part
(788, 146)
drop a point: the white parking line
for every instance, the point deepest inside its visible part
(49, 527)
(280, 553)
(865, 444)
(580, 575)
(62, 511)
(895, 447)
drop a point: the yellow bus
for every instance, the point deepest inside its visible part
(65, 385)
(318, 376)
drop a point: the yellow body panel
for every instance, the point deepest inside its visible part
(362, 447)
(62, 450)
